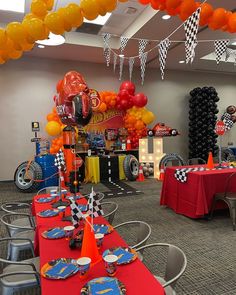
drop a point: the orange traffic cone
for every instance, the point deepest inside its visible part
(89, 245)
(128, 145)
(140, 174)
(210, 163)
(63, 185)
(162, 173)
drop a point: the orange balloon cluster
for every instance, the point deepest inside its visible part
(108, 101)
(216, 19)
(56, 145)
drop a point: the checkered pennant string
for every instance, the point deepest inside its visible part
(163, 49)
(228, 53)
(131, 66)
(143, 60)
(191, 29)
(123, 43)
(94, 206)
(114, 62)
(76, 213)
(107, 50)
(142, 43)
(121, 66)
(220, 49)
(59, 161)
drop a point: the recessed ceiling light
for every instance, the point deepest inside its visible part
(41, 46)
(181, 62)
(53, 40)
(13, 5)
(121, 55)
(166, 16)
(100, 20)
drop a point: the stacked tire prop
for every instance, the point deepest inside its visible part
(202, 116)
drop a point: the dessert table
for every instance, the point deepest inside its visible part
(135, 276)
(194, 197)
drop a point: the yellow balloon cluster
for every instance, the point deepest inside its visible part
(142, 114)
(19, 37)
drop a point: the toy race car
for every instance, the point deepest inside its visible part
(161, 130)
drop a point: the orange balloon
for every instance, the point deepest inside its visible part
(187, 7)
(219, 18)
(206, 12)
(173, 4)
(139, 125)
(232, 22)
(103, 107)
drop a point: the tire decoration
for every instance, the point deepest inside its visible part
(131, 167)
(22, 182)
(202, 116)
(227, 155)
(170, 157)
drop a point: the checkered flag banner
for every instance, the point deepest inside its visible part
(182, 174)
(114, 62)
(220, 49)
(123, 43)
(143, 60)
(59, 161)
(131, 66)
(76, 213)
(163, 49)
(94, 206)
(230, 52)
(191, 29)
(107, 50)
(142, 43)
(121, 66)
(226, 118)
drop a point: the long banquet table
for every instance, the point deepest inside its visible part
(194, 197)
(135, 276)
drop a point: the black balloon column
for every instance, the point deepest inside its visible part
(202, 120)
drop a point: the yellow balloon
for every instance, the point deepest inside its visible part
(15, 54)
(89, 9)
(63, 14)
(3, 37)
(111, 5)
(148, 117)
(2, 61)
(102, 4)
(27, 46)
(123, 1)
(74, 15)
(4, 55)
(53, 128)
(34, 27)
(39, 8)
(16, 32)
(54, 23)
(50, 4)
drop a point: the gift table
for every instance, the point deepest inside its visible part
(135, 276)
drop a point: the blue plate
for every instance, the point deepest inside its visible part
(102, 229)
(44, 200)
(48, 213)
(125, 255)
(83, 208)
(104, 285)
(61, 268)
(54, 233)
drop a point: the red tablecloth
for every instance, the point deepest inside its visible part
(136, 277)
(194, 197)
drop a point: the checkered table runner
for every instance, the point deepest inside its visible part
(182, 174)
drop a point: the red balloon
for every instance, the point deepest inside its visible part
(129, 86)
(124, 94)
(124, 104)
(59, 86)
(140, 100)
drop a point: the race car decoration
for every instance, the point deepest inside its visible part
(161, 130)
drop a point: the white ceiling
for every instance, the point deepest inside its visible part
(145, 23)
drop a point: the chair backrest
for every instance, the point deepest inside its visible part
(175, 162)
(229, 181)
(46, 190)
(175, 265)
(196, 161)
(109, 209)
(16, 207)
(143, 233)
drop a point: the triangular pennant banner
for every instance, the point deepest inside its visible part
(114, 62)
(123, 43)
(121, 66)
(163, 49)
(141, 46)
(228, 53)
(143, 60)
(220, 49)
(191, 29)
(131, 66)
(107, 50)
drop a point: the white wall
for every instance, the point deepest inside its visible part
(27, 87)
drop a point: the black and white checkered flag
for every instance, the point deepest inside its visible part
(76, 213)
(226, 118)
(107, 50)
(163, 49)
(182, 174)
(131, 66)
(191, 29)
(114, 62)
(143, 60)
(59, 161)
(123, 43)
(94, 206)
(121, 66)
(220, 49)
(142, 43)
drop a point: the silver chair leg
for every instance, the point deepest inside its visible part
(232, 211)
(7, 290)
(212, 208)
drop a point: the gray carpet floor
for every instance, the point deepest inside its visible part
(208, 245)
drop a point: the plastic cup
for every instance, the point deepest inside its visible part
(61, 211)
(111, 264)
(69, 231)
(99, 240)
(84, 266)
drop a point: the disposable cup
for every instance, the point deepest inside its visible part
(110, 264)
(99, 240)
(61, 210)
(84, 266)
(69, 231)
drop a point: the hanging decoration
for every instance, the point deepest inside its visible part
(123, 43)
(121, 66)
(107, 49)
(220, 49)
(114, 62)
(163, 49)
(141, 46)
(191, 29)
(131, 66)
(230, 52)
(143, 60)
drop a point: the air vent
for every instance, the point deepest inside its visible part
(88, 28)
(130, 10)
